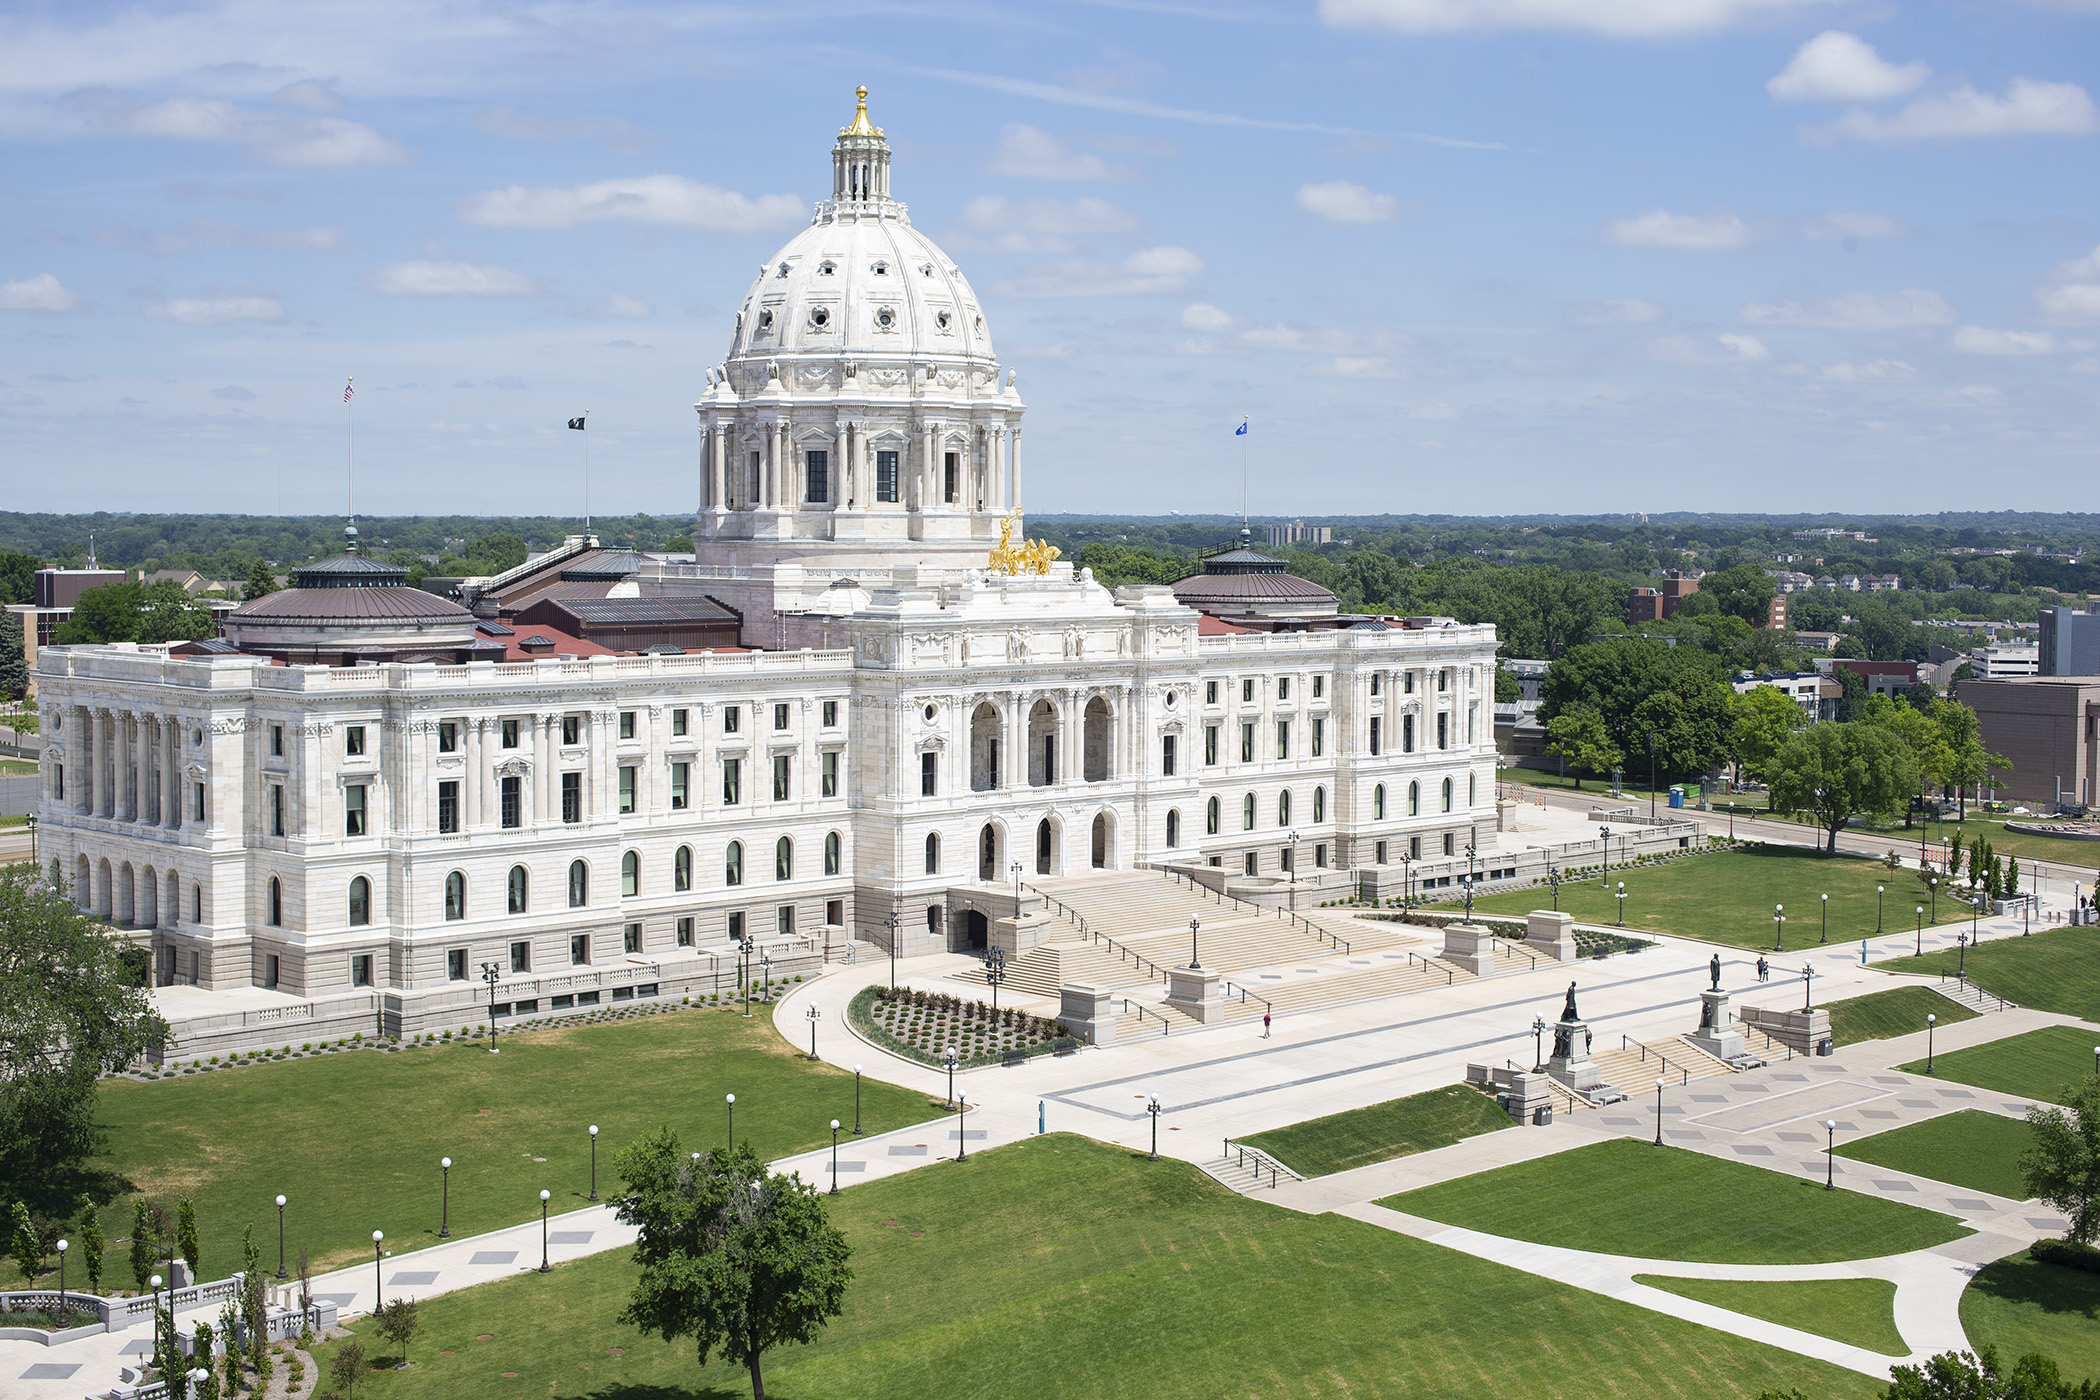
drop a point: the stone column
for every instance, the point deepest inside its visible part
(125, 749)
(102, 771)
(171, 762)
(470, 775)
(930, 494)
(1013, 457)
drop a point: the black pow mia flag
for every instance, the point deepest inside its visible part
(577, 424)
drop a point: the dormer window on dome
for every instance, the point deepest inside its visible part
(827, 268)
(765, 320)
(783, 271)
(926, 269)
(880, 268)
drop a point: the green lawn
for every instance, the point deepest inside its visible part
(2056, 969)
(1727, 897)
(354, 1139)
(1858, 1311)
(2019, 1305)
(1628, 1197)
(1062, 1267)
(1396, 1128)
(2036, 1065)
(1885, 1015)
(1971, 1148)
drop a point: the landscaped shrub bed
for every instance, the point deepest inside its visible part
(922, 1025)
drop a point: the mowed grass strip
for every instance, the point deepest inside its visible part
(1727, 897)
(1886, 1015)
(2038, 1064)
(1633, 1198)
(1383, 1131)
(2055, 969)
(2020, 1305)
(1059, 1266)
(1859, 1312)
(1972, 1148)
(354, 1139)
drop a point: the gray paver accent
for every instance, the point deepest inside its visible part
(498, 1256)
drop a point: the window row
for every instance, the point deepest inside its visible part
(1316, 743)
(451, 733)
(1214, 814)
(1212, 689)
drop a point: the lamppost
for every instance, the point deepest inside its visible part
(154, 1283)
(1651, 775)
(280, 1237)
(378, 1293)
(1538, 1045)
(744, 951)
(856, 1101)
(892, 923)
(948, 1057)
(1293, 893)
(1658, 1113)
(63, 1246)
(1877, 910)
(491, 975)
(444, 1199)
(765, 972)
(1919, 950)
(995, 973)
(962, 1139)
(2096, 1060)
(812, 1016)
(545, 1266)
(1806, 973)
(1929, 1019)
(730, 1100)
(1195, 928)
(594, 1161)
(1152, 1107)
(1778, 927)
(1934, 885)
(1975, 916)
(1407, 880)
(1604, 835)
(1830, 1132)
(1553, 883)
(31, 823)
(834, 1156)
(1622, 904)
(1465, 884)
(1014, 869)
(1826, 920)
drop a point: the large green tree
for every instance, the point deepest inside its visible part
(18, 576)
(1579, 735)
(71, 1008)
(167, 614)
(106, 614)
(2062, 1168)
(1744, 591)
(1958, 1375)
(1640, 686)
(740, 1259)
(1967, 763)
(1841, 771)
(1761, 719)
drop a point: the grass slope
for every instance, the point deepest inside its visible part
(1971, 1148)
(2034, 1065)
(354, 1140)
(1058, 1266)
(1395, 1128)
(1860, 1312)
(2019, 1305)
(1727, 897)
(1884, 1015)
(2057, 969)
(1627, 1197)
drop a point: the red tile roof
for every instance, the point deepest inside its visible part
(1208, 626)
(564, 644)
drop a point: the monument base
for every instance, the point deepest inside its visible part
(1470, 946)
(1198, 992)
(1088, 1011)
(1551, 934)
(1715, 1035)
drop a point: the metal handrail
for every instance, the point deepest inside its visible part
(1341, 945)
(1684, 1074)
(1981, 992)
(1277, 1170)
(1245, 992)
(1164, 1024)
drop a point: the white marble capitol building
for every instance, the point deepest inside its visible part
(364, 793)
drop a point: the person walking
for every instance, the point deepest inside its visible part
(1264, 1025)
(1764, 970)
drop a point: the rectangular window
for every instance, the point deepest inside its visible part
(277, 809)
(817, 471)
(678, 722)
(1319, 736)
(929, 775)
(626, 788)
(732, 782)
(448, 806)
(1253, 863)
(685, 932)
(1375, 679)
(1443, 731)
(1283, 688)
(353, 809)
(680, 772)
(780, 777)
(784, 919)
(572, 798)
(448, 736)
(1319, 686)
(509, 731)
(270, 970)
(521, 957)
(1210, 746)
(1378, 852)
(886, 476)
(579, 949)
(780, 716)
(627, 724)
(632, 938)
(736, 927)
(1407, 679)
(361, 970)
(197, 800)
(1414, 848)
(1319, 855)
(835, 912)
(732, 718)
(455, 964)
(831, 714)
(1210, 692)
(571, 730)
(1283, 860)
(513, 803)
(1283, 738)
(951, 470)
(277, 741)
(1247, 743)
(1166, 756)
(1377, 735)
(354, 741)
(1247, 690)
(829, 766)
(1407, 733)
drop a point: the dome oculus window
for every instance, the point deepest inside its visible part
(820, 318)
(885, 318)
(941, 321)
(765, 320)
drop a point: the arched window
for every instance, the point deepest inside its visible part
(682, 868)
(360, 902)
(630, 875)
(516, 888)
(1378, 803)
(784, 859)
(1414, 799)
(579, 884)
(733, 864)
(834, 853)
(1247, 812)
(276, 903)
(1447, 794)
(1472, 788)
(455, 896)
(1173, 828)
(1210, 817)
(933, 853)
(1319, 804)
(1283, 808)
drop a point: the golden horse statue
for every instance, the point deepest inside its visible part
(1028, 556)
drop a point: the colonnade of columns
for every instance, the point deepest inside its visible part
(124, 765)
(764, 468)
(1020, 735)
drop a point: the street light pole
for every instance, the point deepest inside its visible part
(1806, 973)
(893, 923)
(280, 1237)
(1538, 1045)
(1778, 927)
(1152, 1107)
(1877, 910)
(1604, 835)
(949, 1056)
(63, 1246)
(813, 1015)
(444, 1199)
(1658, 1112)
(545, 1266)
(834, 1156)
(594, 1161)
(730, 1100)
(1553, 883)
(1929, 1019)
(491, 975)
(1651, 775)
(1826, 920)
(1919, 950)
(962, 1140)
(378, 1291)
(856, 1101)
(1622, 904)
(1195, 928)
(1293, 896)
(1830, 1130)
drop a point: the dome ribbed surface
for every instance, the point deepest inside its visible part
(326, 605)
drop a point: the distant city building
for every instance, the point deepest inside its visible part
(1816, 693)
(1298, 532)
(56, 591)
(2045, 727)
(1818, 641)
(2001, 660)
(1882, 677)
(2069, 643)
(1860, 535)
(1660, 604)
(1789, 580)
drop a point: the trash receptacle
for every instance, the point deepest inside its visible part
(1826, 1046)
(1542, 1115)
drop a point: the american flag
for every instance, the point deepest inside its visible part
(347, 391)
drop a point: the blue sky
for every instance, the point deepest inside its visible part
(1470, 256)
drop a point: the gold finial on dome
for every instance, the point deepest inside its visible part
(861, 126)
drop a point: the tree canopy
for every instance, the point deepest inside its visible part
(1638, 687)
(2062, 1168)
(1841, 771)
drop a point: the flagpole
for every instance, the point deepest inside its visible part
(586, 471)
(1244, 445)
(350, 450)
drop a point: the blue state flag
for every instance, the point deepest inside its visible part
(1241, 430)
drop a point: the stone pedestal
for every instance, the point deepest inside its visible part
(1197, 991)
(1528, 1099)
(1551, 934)
(1016, 936)
(1088, 1011)
(1471, 946)
(1716, 1034)
(1570, 1063)
(1505, 814)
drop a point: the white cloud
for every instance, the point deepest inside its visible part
(307, 143)
(612, 132)
(1693, 350)
(218, 311)
(2088, 365)
(42, 292)
(1318, 340)
(1841, 225)
(308, 95)
(1871, 372)
(1035, 154)
(2030, 107)
(1202, 316)
(1436, 412)
(621, 304)
(1975, 340)
(1618, 313)
(649, 199)
(1968, 396)
(2072, 290)
(1839, 67)
(1699, 233)
(1621, 18)
(1856, 311)
(421, 278)
(991, 213)
(1340, 202)
(1358, 367)
(1746, 347)
(1166, 268)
